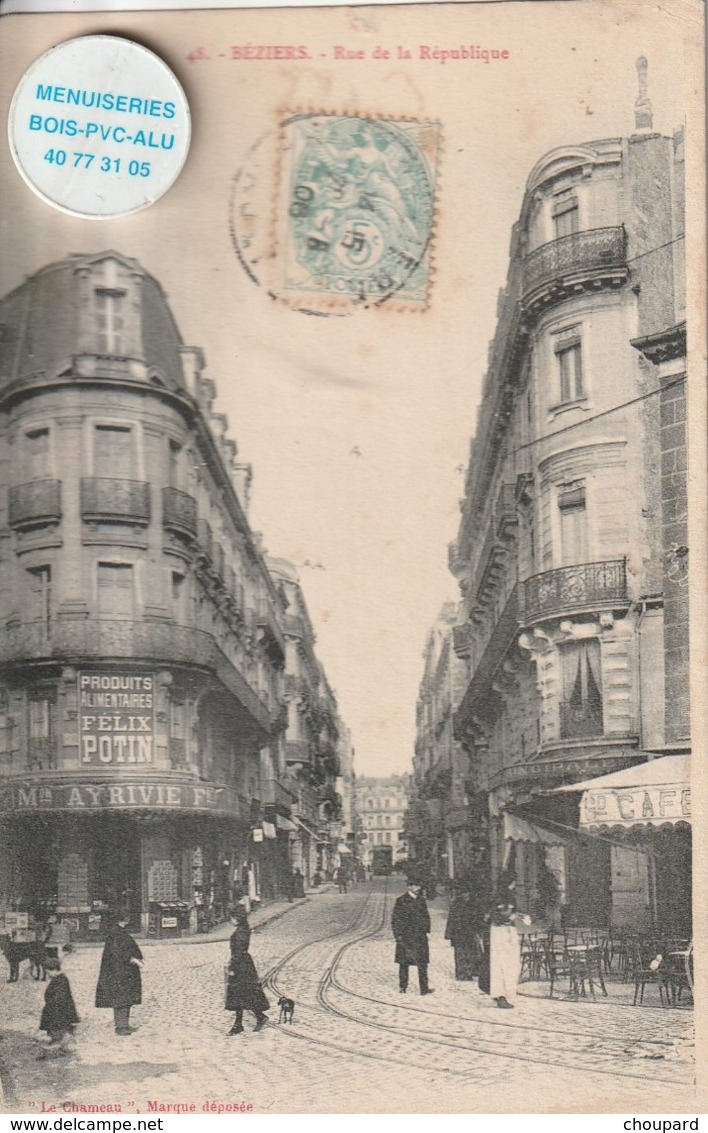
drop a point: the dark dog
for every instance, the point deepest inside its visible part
(16, 951)
(287, 1009)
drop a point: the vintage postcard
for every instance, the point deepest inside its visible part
(351, 664)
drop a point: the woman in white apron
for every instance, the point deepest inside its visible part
(505, 947)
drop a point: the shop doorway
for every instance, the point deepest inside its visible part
(117, 869)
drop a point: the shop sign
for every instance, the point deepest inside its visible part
(116, 718)
(83, 797)
(629, 806)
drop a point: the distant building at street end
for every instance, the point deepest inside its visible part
(381, 805)
(572, 550)
(143, 730)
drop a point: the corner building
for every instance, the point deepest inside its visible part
(142, 657)
(571, 552)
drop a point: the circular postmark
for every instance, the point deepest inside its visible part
(99, 127)
(349, 221)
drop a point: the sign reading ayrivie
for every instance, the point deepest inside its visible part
(83, 796)
(116, 718)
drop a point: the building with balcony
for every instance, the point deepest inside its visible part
(142, 662)
(572, 546)
(381, 805)
(443, 820)
(314, 745)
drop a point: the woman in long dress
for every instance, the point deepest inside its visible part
(243, 990)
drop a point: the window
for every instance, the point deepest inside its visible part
(570, 371)
(113, 452)
(40, 594)
(581, 707)
(565, 216)
(573, 525)
(116, 590)
(109, 308)
(41, 748)
(178, 593)
(387, 802)
(174, 464)
(37, 454)
(387, 837)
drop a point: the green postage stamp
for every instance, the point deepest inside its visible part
(356, 213)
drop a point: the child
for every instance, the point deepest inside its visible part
(59, 1015)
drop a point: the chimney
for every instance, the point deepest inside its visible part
(643, 120)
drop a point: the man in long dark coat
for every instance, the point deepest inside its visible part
(119, 983)
(411, 924)
(243, 989)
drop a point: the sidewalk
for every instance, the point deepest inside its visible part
(257, 918)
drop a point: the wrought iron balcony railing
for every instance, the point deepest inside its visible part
(179, 511)
(104, 498)
(37, 502)
(574, 256)
(575, 587)
(580, 720)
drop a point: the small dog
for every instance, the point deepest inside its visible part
(287, 1009)
(16, 951)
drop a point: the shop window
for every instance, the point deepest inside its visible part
(116, 590)
(36, 451)
(114, 452)
(570, 371)
(39, 605)
(41, 745)
(581, 707)
(573, 526)
(565, 216)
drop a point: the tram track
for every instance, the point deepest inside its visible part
(441, 1041)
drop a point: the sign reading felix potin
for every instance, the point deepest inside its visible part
(116, 718)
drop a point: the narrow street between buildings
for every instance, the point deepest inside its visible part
(356, 1044)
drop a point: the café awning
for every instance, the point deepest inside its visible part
(517, 829)
(652, 794)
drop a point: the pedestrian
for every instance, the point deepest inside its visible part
(243, 990)
(59, 1015)
(341, 877)
(505, 946)
(411, 924)
(298, 884)
(465, 924)
(317, 879)
(119, 982)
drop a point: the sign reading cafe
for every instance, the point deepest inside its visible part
(116, 718)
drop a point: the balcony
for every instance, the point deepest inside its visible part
(205, 538)
(179, 512)
(35, 503)
(273, 793)
(583, 587)
(150, 642)
(580, 261)
(106, 499)
(579, 720)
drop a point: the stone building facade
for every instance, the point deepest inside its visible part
(572, 544)
(143, 663)
(381, 805)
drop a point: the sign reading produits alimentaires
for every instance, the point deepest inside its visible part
(116, 718)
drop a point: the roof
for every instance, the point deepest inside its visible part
(39, 324)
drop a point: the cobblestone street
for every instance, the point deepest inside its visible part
(355, 1045)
